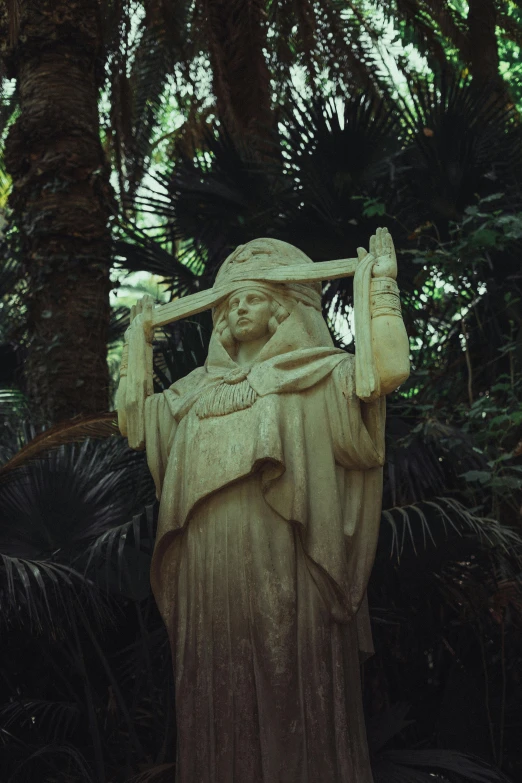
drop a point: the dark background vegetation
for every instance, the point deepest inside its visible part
(142, 141)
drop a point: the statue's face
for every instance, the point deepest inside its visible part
(249, 312)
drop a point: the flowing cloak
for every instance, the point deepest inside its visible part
(315, 453)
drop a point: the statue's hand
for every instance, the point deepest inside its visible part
(141, 317)
(383, 250)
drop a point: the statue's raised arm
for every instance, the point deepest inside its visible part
(136, 373)
(384, 363)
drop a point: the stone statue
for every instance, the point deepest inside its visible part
(268, 468)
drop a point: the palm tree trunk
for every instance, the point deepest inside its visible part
(483, 48)
(237, 38)
(61, 200)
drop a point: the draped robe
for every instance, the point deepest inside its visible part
(267, 531)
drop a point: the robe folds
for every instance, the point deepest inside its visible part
(267, 531)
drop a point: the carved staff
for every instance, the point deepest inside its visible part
(204, 300)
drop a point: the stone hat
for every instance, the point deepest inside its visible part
(267, 253)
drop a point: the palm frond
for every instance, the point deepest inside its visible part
(9, 271)
(510, 26)
(12, 402)
(119, 558)
(161, 773)
(426, 455)
(8, 105)
(68, 754)
(54, 506)
(53, 719)
(73, 431)
(118, 324)
(430, 27)
(430, 522)
(44, 594)
(11, 310)
(144, 56)
(452, 25)
(342, 47)
(337, 154)
(462, 142)
(138, 252)
(224, 197)
(421, 766)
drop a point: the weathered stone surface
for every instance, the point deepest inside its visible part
(268, 467)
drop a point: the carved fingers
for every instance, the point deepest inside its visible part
(383, 249)
(361, 253)
(141, 315)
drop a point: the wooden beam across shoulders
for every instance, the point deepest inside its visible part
(295, 273)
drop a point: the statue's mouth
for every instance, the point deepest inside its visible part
(243, 321)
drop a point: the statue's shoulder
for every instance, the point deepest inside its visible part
(180, 395)
(188, 383)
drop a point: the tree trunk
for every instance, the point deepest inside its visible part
(237, 38)
(483, 49)
(61, 201)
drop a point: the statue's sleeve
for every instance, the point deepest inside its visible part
(160, 430)
(357, 427)
(358, 439)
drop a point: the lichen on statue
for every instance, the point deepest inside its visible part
(268, 469)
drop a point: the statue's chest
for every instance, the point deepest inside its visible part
(233, 394)
(228, 445)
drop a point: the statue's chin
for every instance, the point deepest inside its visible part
(247, 334)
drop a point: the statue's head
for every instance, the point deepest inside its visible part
(250, 313)
(256, 309)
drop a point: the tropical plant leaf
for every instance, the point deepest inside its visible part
(73, 431)
(414, 525)
(462, 142)
(13, 404)
(123, 554)
(421, 765)
(161, 773)
(42, 593)
(56, 506)
(54, 719)
(49, 754)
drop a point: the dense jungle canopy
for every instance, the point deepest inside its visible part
(142, 140)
